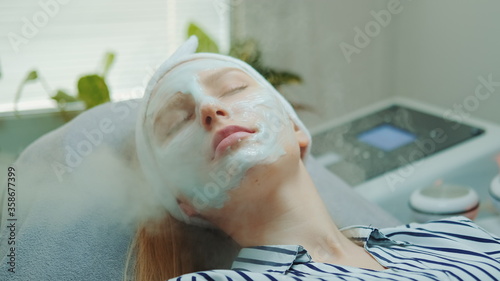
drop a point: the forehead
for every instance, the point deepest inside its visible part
(188, 76)
(201, 68)
(214, 76)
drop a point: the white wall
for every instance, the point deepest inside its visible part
(443, 47)
(304, 37)
(432, 51)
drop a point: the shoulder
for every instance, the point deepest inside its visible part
(453, 230)
(451, 225)
(234, 275)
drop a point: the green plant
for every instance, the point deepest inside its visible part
(92, 89)
(248, 51)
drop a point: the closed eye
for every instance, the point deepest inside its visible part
(180, 123)
(235, 89)
(176, 113)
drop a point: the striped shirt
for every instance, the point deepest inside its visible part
(448, 249)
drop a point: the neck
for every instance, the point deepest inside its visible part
(291, 212)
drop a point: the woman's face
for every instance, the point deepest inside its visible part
(212, 122)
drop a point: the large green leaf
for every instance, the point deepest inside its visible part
(205, 43)
(92, 90)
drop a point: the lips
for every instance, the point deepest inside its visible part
(227, 137)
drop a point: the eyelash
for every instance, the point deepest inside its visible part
(188, 116)
(180, 124)
(234, 90)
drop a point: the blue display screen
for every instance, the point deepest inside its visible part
(387, 137)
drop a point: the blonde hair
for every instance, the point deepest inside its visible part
(166, 248)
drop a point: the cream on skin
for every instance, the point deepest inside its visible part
(212, 122)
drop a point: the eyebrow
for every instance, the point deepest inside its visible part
(174, 99)
(220, 73)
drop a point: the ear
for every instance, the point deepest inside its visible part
(187, 208)
(302, 139)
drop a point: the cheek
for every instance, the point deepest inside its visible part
(185, 151)
(246, 113)
(259, 105)
(183, 161)
(192, 142)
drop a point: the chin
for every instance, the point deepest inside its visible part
(253, 154)
(280, 166)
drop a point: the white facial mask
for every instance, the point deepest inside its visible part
(179, 164)
(186, 157)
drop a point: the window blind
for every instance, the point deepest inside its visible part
(65, 39)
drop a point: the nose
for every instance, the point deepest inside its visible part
(211, 113)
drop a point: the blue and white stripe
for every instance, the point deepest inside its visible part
(449, 249)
